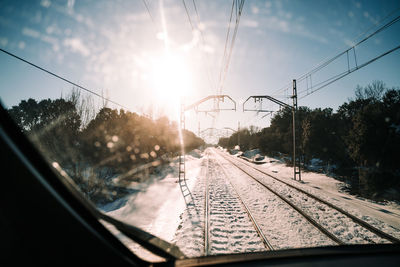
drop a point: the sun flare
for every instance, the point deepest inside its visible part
(172, 81)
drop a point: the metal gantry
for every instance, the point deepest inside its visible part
(296, 162)
(195, 106)
(216, 108)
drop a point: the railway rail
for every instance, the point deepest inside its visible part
(207, 228)
(355, 219)
(207, 214)
(267, 244)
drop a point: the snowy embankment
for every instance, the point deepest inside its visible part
(383, 215)
(281, 224)
(158, 204)
(161, 209)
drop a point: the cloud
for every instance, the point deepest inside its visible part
(255, 10)
(286, 26)
(43, 37)
(208, 49)
(195, 40)
(49, 39)
(349, 42)
(70, 4)
(30, 32)
(249, 23)
(45, 3)
(76, 45)
(3, 41)
(69, 12)
(21, 45)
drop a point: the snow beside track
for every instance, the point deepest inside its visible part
(385, 216)
(160, 209)
(158, 205)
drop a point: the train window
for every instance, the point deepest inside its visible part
(220, 127)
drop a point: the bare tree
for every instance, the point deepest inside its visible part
(84, 105)
(374, 91)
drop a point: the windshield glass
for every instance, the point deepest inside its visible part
(218, 126)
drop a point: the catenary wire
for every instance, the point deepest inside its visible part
(387, 25)
(330, 60)
(212, 78)
(226, 44)
(62, 78)
(238, 15)
(340, 76)
(148, 11)
(187, 13)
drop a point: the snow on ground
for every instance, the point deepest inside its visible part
(159, 204)
(230, 228)
(329, 189)
(338, 224)
(283, 226)
(165, 208)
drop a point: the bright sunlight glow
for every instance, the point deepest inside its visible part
(172, 81)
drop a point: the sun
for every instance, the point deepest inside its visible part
(172, 81)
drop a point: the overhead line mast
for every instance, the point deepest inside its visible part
(295, 160)
(350, 50)
(319, 86)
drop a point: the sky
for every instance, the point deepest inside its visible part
(151, 60)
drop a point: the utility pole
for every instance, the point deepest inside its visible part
(257, 98)
(182, 154)
(238, 134)
(296, 173)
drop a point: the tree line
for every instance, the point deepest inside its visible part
(361, 139)
(93, 147)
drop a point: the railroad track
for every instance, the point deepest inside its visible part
(355, 219)
(207, 228)
(207, 213)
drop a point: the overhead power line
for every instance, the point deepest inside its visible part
(148, 11)
(227, 55)
(387, 25)
(343, 74)
(208, 71)
(328, 61)
(226, 44)
(212, 81)
(308, 76)
(187, 13)
(62, 78)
